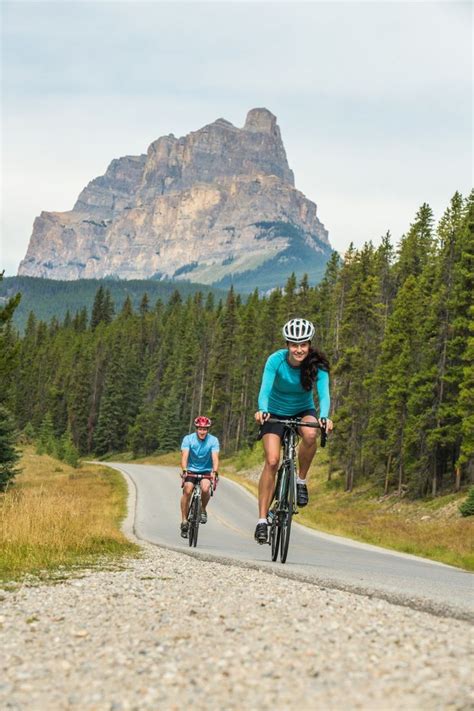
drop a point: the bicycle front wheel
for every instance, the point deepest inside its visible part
(275, 532)
(287, 514)
(193, 518)
(196, 515)
(191, 528)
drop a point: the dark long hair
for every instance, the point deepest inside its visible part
(309, 367)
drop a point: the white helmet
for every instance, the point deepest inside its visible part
(298, 330)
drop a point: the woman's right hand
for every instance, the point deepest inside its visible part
(261, 417)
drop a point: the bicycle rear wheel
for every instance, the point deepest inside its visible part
(287, 514)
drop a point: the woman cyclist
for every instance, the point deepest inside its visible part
(287, 391)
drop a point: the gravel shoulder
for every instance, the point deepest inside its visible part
(168, 629)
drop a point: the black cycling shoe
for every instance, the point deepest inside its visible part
(261, 533)
(302, 497)
(184, 529)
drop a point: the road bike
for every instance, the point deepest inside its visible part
(283, 505)
(195, 507)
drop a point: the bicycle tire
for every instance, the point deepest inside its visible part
(197, 520)
(275, 529)
(192, 519)
(287, 515)
(275, 533)
(190, 531)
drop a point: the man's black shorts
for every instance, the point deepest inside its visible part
(277, 428)
(191, 477)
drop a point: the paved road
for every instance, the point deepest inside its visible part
(321, 558)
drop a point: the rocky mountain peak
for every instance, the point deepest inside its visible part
(261, 121)
(218, 201)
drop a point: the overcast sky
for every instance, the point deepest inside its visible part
(373, 99)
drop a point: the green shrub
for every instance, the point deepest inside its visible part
(69, 453)
(467, 506)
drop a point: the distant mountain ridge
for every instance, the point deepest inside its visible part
(53, 298)
(217, 206)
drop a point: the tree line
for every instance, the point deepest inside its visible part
(395, 323)
(54, 297)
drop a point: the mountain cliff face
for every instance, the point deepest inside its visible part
(216, 206)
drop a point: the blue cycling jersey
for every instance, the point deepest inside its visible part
(200, 452)
(281, 392)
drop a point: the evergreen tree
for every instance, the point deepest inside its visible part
(112, 423)
(416, 246)
(467, 507)
(360, 337)
(435, 390)
(144, 304)
(98, 310)
(9, 351)
(108, 307)
(466, 412)
(69, 453)
(46, 442)
(8, 453)
(220, 381)
(127, 308)
(79, 321)
(79, 401)
(393, 385)
(8, 346)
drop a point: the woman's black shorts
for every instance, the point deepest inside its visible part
(277, 428)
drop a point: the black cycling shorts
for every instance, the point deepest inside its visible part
(277, 428)
(192, 478)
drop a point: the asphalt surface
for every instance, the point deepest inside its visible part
(323, 559)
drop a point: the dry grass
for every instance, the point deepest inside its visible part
(56, 516)
(432, 529)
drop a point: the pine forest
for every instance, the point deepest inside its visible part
(395, 322)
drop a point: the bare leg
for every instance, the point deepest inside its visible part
(307, 447)
(205, 492)
(185, 500)
(266, 485)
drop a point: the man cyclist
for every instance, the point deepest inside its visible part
(287, 386)
(199, 455)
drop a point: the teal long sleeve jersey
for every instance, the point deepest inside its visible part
(281, 392)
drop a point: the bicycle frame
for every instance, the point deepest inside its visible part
(289, 442)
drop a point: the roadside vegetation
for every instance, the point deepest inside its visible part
(433, 528)
(56, 518)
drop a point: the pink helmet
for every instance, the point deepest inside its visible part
(202, 421)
